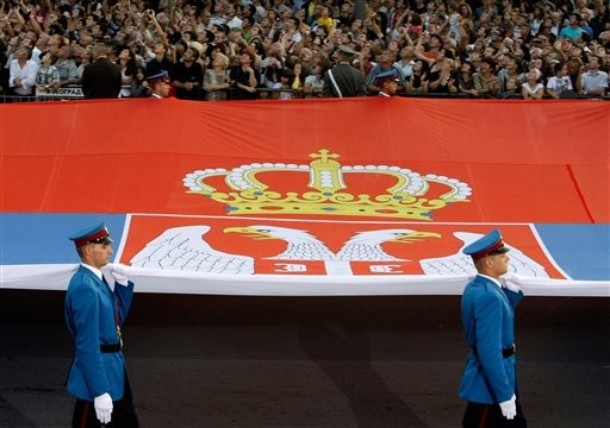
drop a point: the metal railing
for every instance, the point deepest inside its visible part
(75, 92)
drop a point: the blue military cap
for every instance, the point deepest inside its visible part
(96, 234)
(162, 76)
(388, 75)
(487, 245)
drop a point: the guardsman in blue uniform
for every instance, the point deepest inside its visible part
(95, 314)
(389, 82)
(489, 379)
(160, 85)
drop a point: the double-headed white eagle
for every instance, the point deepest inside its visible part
(184, 248)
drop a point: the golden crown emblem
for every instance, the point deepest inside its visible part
(405, 199)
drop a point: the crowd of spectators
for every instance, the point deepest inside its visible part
(247, 49)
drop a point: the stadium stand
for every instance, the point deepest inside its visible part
(455, 48)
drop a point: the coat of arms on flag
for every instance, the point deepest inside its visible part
(408, 195)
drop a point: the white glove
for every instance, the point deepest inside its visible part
(119, 272)
(509, 408)
(103, 408)
(512, 282)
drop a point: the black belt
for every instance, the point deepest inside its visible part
(109, 349)
(506, 352)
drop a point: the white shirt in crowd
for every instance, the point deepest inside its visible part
(559, 84)
(27, 75)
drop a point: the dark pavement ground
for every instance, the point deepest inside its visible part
(213, 361)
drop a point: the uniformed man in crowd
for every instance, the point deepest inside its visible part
(388, 82)
(160, 85)
(343, 80)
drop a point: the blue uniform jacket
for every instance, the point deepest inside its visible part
(90, 311)
(488, 318)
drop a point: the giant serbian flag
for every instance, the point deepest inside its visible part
(314, 197)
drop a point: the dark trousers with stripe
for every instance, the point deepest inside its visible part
(479, 415)
(123, 412)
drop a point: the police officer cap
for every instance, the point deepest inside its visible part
(96, 234)
(162, 76)
(344, 50)
(488, 245)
